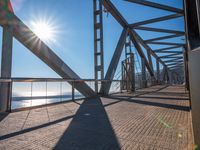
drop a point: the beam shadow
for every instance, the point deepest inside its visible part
(167, 98)
(10, 135)
(90, 129)
(144, 92)
(170, 106)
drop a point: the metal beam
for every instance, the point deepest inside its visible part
(162, 38)
(156, 5)
(114, 62)
(158, 70)
(141, 53)
(139, 40)
(172, 64)
(167, 48)
(176, 66)
(167, 43)
(167, 57)
(115, 13)
(6, 68)
(156, 20)
(174, 52)
(143, 71)
(26, 37)
(160, 30)
(174, 60)
(170, 55)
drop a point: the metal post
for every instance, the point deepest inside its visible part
(46, 92)
(61, 91)
(98, 42)
(10, 98)
(73, 90)
(132, 65)
(158, 70)
(6, 65)
(144, 80)
(31, 93)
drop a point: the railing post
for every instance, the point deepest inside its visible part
(61, 91)
(9, 105)
(73, 90)
(31, 93)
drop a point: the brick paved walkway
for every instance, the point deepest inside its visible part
(153, 118)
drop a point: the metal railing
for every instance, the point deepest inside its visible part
(31, 92)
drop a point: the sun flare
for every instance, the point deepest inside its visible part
(44, 30)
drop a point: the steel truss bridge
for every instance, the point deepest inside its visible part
(176, 59)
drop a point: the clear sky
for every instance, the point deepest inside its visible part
(72, 22)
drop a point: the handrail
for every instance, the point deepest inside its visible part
(52, 80)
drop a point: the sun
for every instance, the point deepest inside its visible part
(44, 30)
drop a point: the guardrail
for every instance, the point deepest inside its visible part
(30, 92)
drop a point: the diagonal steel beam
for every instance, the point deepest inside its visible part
(156, 5)
(162, 38)
(168, 17)
(139, 40)
(117, 15)
(26, 37)
(141, 53)
(160, 30)
(114, 62)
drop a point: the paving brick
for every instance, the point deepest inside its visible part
(156, 118)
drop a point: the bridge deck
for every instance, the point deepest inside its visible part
(152, 118)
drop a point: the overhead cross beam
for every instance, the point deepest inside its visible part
(167, 48)
(167, 43)
(162, 38)
(174, 60)
(156, 5)
(174, 52)
(171, 55)
(160, 30)
(172, 64)
(156, 20)
(167, 57)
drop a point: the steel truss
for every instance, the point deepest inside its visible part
(130, 30)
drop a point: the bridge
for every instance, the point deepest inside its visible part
(156, 107)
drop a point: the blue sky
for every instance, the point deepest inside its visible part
(73, 20)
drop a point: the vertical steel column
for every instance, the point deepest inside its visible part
(132, 68)
(98, 42)
(144, 80)
(6, 65)
(128, 49)
(158, 70)
(185, 54)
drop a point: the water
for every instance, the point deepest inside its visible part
(27, 94)
(22, 102)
